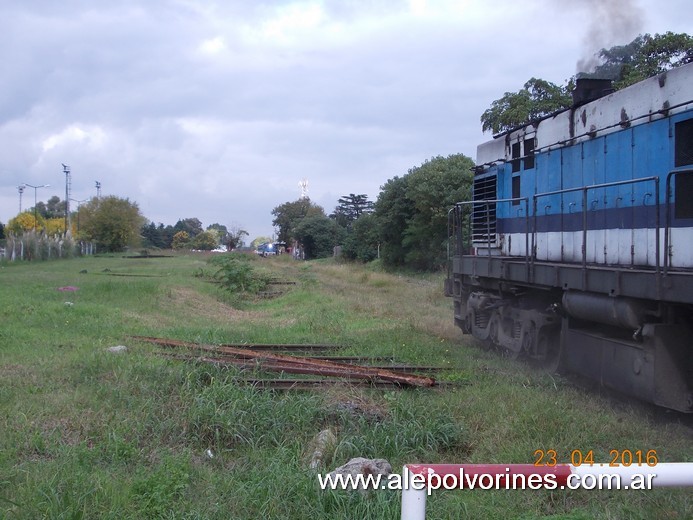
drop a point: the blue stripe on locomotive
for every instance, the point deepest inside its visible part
(643, 150)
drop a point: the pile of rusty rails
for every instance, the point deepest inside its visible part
(331, 369)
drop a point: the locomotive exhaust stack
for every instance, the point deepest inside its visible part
(590, 89)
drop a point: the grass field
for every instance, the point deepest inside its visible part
(85, 433)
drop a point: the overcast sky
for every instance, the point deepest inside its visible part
(218, 109)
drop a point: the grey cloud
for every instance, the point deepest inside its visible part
(225, 136)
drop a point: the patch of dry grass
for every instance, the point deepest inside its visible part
(195, 306)
(418, 301)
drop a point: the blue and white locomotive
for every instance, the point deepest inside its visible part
(577, 248)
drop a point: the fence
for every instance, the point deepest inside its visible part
(421, 479)
(34, 245)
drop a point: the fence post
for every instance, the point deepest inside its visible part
(519, 476)
(413, 500)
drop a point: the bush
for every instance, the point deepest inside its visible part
(237, 275)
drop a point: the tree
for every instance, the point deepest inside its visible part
(2, 231)
(192, 226)
(644, 57)
(181, 240)
(318, 235)
(112, 222)
(412, 211)
(350, 208)
(221, 231)
(54, 208)
(205, 241)
(535, 100)
(25, 222)
(288, 215)
(231, 238)
(434, 187)
(393, 209)
(151, 236)
(55, 226)
(362, 241)
(166, 235)
(235, 238)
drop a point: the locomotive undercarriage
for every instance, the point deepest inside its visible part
(522, 325)
(637, 347)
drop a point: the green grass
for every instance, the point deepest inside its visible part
(89, 434)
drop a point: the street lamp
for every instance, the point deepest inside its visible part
(35, 202)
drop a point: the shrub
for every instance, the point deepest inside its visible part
(236, 274)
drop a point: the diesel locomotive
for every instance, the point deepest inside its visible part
(576, 250)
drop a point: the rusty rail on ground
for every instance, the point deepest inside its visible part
(298, 365)
(291, 368)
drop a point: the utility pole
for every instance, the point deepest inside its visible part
(68, 185)
(98, 190)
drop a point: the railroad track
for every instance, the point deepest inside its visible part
(282, 359)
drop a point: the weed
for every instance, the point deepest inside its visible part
(236, 274)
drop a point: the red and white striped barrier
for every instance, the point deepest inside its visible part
(419, 480)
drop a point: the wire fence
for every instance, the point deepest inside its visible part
(34, 245)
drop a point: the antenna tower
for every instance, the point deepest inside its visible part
(304, 188)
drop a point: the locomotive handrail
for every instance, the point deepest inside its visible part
(487, 203)
(584, 190)
(667, 223)
(531, 250)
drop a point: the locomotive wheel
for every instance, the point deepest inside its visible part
(549, 344)
(493, 329)
(526, 347)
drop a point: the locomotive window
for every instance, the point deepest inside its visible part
(683, 144)
(529, 154)
(516, 190)
(683, 206)
(515, 150)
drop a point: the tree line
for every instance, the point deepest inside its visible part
(406, 226)
(113, 223)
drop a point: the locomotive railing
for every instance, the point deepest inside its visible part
(585, 190)
(667, 222)
(456, 223)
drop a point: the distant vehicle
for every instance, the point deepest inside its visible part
(266, 249)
